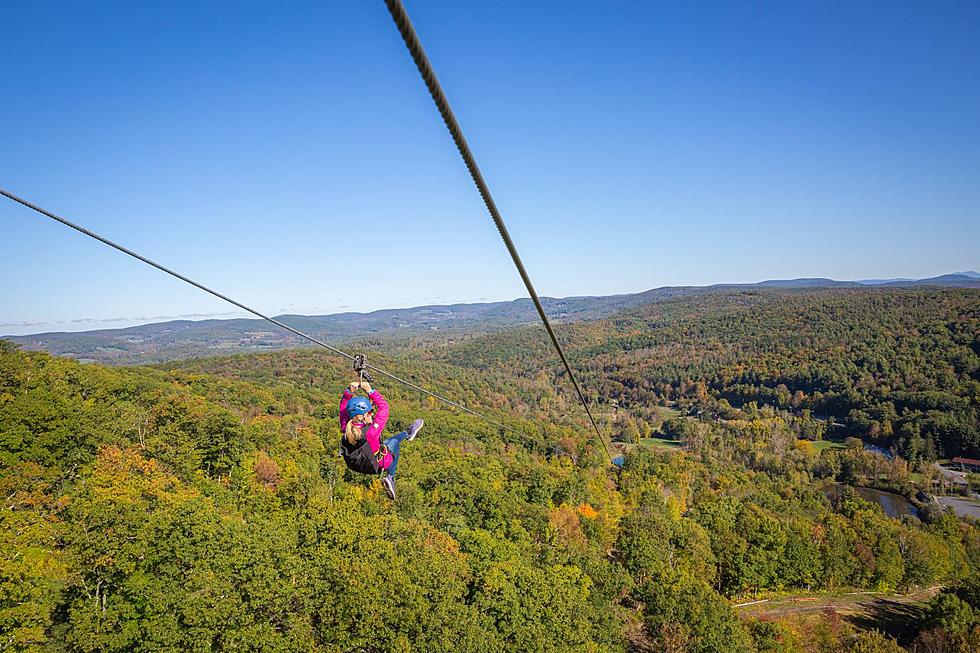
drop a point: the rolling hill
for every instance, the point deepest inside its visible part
(180, 339)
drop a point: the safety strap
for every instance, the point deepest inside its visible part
(382, 450)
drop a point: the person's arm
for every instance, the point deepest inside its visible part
(345, 396)
(380, 408)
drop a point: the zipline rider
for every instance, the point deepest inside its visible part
(362, 420)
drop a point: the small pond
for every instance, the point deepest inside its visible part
(894, 505)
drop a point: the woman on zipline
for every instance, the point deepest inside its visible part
(362, 419)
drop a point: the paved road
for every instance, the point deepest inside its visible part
(962, 507)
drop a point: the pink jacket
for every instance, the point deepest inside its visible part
(371, 432)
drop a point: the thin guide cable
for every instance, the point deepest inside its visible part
(139, 257)
(414, 45)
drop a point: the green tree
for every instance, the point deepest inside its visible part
(873, 641)
(951, 613)
(33, 571)
(710, 624)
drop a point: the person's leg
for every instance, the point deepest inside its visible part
(413, 429)
(394, 446)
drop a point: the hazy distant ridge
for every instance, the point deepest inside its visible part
(162, 341)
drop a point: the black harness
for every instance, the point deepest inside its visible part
(360, 458)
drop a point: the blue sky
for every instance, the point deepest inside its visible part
(290, 156)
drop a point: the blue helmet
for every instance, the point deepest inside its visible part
(358, 406)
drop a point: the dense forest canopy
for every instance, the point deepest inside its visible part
(899, 366)
(201, 505)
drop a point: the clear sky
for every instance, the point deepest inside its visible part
(289, 155)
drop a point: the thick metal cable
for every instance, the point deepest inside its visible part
(124, 250)
(411, 38)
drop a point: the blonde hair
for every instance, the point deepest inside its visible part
(352, 434)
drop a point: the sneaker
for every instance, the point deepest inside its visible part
(389, 484)
(414, 429)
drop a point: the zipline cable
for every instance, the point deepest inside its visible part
(124, 250)
(411, 38)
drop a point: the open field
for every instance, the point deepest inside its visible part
(659, 443)
(894, 614)
(844, 601)
(820, 445)
(662, 443)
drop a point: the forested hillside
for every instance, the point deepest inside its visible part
(163, 341)
(181, 339)
(150, 510)
(202, 505)
(895, 366)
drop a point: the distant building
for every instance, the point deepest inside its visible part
(966, 464)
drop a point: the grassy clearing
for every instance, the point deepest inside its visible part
(662, 443)
(668, 413)
(894, 614)
(820, 445)
(657, 443)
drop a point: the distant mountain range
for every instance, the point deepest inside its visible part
(955, 280)
(163, 341)
(967, 279)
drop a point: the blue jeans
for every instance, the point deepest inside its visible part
(394, 444)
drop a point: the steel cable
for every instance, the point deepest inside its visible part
(414, 44)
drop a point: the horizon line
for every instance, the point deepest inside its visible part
(227, 316)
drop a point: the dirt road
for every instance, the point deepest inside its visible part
(894, 614)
